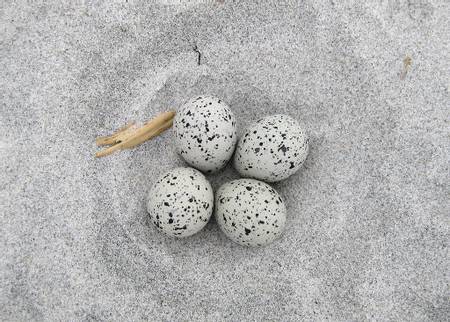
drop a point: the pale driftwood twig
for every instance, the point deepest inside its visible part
(130, 135)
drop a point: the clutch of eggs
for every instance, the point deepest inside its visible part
(248, 211)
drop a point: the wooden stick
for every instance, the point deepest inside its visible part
(108, 151)
(151, 125)
(147, 135)
(115, 137)
(130, 136)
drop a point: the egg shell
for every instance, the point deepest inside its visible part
(205, 133)
(250, 212)
(181, 201)
(271, 149)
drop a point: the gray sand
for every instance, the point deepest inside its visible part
(368, 226)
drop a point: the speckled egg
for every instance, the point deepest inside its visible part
(181, 202)
(205, 133)
(272, 149)
(250, 212)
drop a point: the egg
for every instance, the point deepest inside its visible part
(271, 149)
(181, 201)
(250, 212)
(205, 133)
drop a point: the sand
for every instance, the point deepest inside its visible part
(367, 229)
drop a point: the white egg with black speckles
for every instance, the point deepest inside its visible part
(181, 201)
(271, 149)
(250, 212)
(205, 133)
